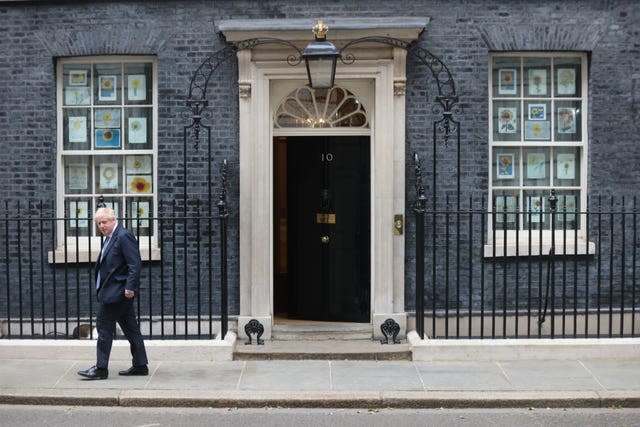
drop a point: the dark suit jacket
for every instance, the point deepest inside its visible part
(119, 267)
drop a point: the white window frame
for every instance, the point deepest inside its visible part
(71, 249)
(522, 242)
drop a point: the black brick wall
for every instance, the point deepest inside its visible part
(182, 34)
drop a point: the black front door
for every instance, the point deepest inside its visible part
(328, 232)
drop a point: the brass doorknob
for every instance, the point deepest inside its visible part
(324, 239)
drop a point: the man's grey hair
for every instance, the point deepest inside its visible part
(105, 212)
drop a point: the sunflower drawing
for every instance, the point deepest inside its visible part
(139, 184)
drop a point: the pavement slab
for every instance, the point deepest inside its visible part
(209, 382)
(463, 376)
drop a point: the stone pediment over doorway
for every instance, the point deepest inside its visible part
(340, 29)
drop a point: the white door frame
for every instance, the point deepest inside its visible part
(257, 71)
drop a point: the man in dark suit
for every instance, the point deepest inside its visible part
(117, 277)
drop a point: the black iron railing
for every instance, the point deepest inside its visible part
(47, 279)
(496, 273)
(484, 272)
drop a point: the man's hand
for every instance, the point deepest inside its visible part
(129, 294)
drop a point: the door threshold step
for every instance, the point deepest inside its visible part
(353, 349)
(320, 331)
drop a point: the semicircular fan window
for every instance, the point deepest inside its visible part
(321, 108)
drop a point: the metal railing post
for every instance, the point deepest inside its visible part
(223, 215)
(419, 209)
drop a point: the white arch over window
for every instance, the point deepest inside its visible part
(320, 108)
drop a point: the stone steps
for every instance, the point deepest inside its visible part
(317, 349)
(321, 331)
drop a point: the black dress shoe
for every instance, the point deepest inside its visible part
(135, 370)
(95, 373)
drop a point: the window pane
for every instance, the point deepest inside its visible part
(536, 167)
(568, 121)
(537, 82)
(77, 174)
(567, 167)
(506, 121)
(567, 77)
(537, 123)
(535, 210)
(76, 83)
(506, 166)
(138, 83)
(138, 125)
(78, 212)
(107, 84)
(139, 165)
(505, 207)
(506, 77)
(108, 173)
(140, 212)
(107, 123)
(76, 128)
(567, 209)
(139, 174)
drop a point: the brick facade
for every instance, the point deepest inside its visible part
(183, 33)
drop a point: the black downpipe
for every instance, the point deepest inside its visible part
(553, 202)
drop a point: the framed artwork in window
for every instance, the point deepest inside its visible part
(507, 81)
(79, 214)
(140, 214)
(107, 118)
(566, 166)
(137, 130)
(504, 166)
(566, 208)
(566, 81)
(537, 130)
(535, 208)
(108, 179)
(78, 78)
(136, 87)
(537, 81)
(537, 111)
(78, 176)
(77, 95)
(138, 184)
(138, 165)
(77, 128)
(510, 208)
(566, 120)
(107, 88)
(507, 120)
(536, 165)
(107, 138)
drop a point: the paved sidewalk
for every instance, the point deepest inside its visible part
(329, 383)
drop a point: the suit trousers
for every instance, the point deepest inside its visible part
(124, 314)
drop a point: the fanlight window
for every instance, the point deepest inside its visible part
(321, 108)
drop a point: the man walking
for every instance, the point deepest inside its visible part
(117, 278)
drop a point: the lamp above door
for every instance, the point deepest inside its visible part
(320, 57)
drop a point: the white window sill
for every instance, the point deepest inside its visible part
(534, 248)
(82, 255)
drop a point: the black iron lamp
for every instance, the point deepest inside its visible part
(320, 57)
